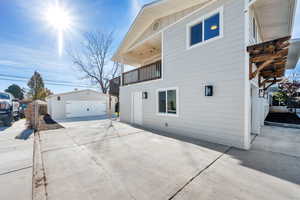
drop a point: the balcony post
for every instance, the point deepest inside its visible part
(122, 71)
(138, 75)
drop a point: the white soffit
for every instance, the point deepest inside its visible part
(275, 17)
(294, 54)
(151, 12)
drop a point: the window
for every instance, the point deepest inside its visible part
(212, 27)
(162, 101)
(167, 101)
(196, 34)
(205, 29)
(171, 96)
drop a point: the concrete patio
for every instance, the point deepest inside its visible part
(86, 160)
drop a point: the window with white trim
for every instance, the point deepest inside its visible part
(205, 29)
(167, 101)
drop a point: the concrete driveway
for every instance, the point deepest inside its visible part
(15, 162)
(93, 121)
(86, 160)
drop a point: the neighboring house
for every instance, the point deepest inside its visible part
(193, 76)
(78, 103)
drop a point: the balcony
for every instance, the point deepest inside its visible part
(114, 86)
(145, 73)
(142, 74)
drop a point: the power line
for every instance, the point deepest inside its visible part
(57, 84)
(23, 77)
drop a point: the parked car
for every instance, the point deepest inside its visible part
(22, 109)
(9, 108)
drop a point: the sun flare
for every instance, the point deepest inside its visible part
(59, 18)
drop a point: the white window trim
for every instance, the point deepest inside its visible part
(177, 102)
(202, 19)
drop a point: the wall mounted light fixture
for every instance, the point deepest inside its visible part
(145, 95)
(209, 90)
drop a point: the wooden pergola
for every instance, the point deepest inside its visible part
(270, 60)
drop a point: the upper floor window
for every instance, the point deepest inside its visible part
(196, 34)
(212, 27)
(205, 29)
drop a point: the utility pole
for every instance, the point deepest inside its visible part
(110, 112)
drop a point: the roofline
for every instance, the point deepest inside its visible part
(291, 28)
(131, 26)
(76, 91)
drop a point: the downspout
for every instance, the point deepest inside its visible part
(247, 100)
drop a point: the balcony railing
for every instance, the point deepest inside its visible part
(145, 73)
(114, 86)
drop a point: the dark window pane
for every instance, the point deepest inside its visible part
(212, 27)
(196, 34)
(254, 28)
(162, 101)
(172, 107)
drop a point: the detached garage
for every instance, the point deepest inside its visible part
(79, 103)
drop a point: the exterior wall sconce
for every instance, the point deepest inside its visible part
(209, 90)
(261, 93)
(145, 95)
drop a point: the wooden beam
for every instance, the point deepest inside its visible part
(269, 56)
(271, 81)
(282, 45)
(250, 70)
(261, 67)
(272, 42)
(263, 83)
(265, 88)
(259, 80)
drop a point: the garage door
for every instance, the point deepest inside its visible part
(85, 108)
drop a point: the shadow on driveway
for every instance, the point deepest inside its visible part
(25, 134)
(3, 128)
(275, 152)
(89, 118)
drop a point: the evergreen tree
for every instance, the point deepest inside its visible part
(37, 90)
(16, 91)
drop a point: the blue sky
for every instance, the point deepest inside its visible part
(28, 44)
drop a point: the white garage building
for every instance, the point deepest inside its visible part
(78, 103)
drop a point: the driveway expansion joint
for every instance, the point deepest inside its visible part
(199, 173)
(16, 170)
(39, 181)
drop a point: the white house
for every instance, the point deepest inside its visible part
(203, 66)
(78, 103)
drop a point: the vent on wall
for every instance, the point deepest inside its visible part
(156, 25)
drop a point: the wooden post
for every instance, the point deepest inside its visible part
(110, 112)
(250, 70)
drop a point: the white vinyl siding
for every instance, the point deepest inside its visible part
(219, 118)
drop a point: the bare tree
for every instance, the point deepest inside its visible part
(93, 59)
